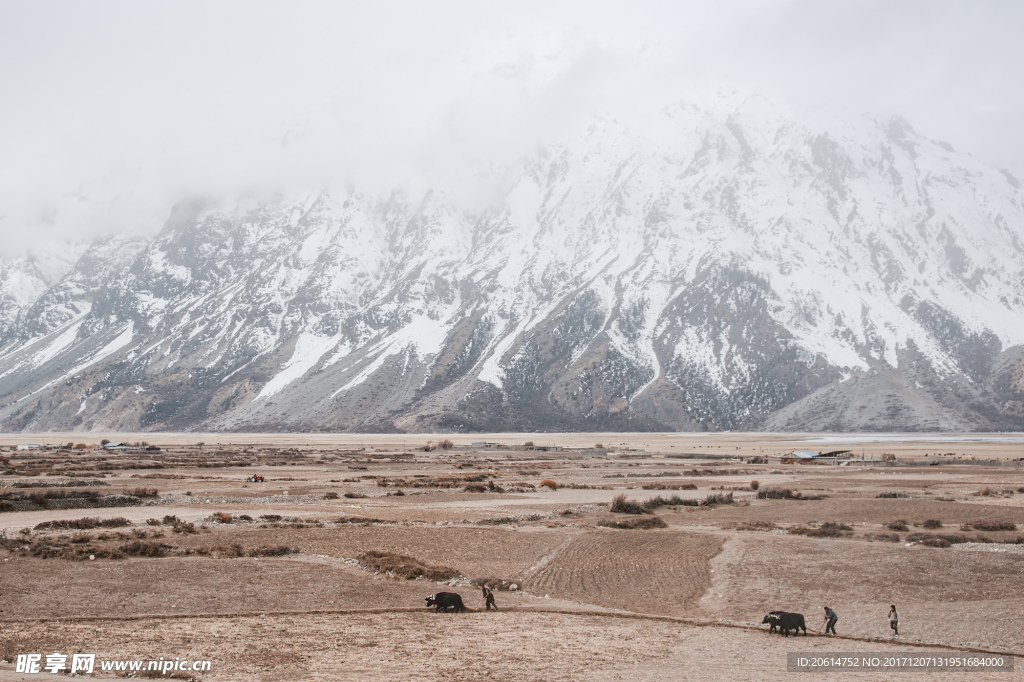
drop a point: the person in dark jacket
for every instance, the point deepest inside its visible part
(488, 597)
(894, 620)
(830, 621)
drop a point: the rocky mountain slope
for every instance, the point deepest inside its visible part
(725, 268)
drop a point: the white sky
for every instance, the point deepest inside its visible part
(112, 111)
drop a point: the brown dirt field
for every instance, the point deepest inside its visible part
(548, 542)
(962, 597)
(427, 646)
(636, 570)
(850, 510)
(36, 588)
(477, 552)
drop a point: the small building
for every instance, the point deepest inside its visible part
(30, 446)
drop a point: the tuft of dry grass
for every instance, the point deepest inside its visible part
(899, 525)
(623, 505)
(637, 523)
(548, 483)
(932, 524)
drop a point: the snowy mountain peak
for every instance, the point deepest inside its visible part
(724, 267)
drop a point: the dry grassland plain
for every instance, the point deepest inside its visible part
(320, 570)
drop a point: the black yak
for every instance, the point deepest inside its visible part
(443, 600)
(785, 622)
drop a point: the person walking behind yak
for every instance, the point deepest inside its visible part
(488, 597)
(830, 621)
(894, 620)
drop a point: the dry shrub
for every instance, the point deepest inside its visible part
(985, 492)
(143, 492)
(638, 523)
(936, 542)
(622, 505)
(995, 525)
(884, 537)
(406, 567)
(271, 518)
(361, 520)
(491, 487)
(446, 444)
(151, 550)
(331, 496)
(232, 551)
(83, 524)
(548, 483)
(354, 496)
(762, 526)
(932, 524)
(279, 550)
(717, 498)
(932, 540)
(44, 549)
(899, 525)
(891, 495)
(185, 528)
(528, 443)
(774, 493)
(664, 486)
(152, 522)
(222, 517)
(755, 484)
(673, 501)
(829, 529)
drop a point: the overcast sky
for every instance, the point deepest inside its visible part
(112, 111)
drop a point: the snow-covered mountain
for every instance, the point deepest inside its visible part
(723, 268)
